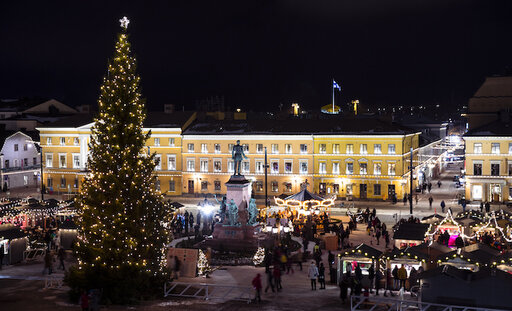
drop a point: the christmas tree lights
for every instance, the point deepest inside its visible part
(122, 236)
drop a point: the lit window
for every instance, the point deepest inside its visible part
(322, 168)
(275, 148)
(377, 168)
(391, 149)
(377, 149)
(49, 160)
(303, 148)
(204, 185)
(335, 167)
(158, 162)
(288, 187)
(63, 141)
(288, 167)
(157, 141)
(336, 148)
(275, 186)
(363, 149)
(259, 148)
(63, 182)
(190, 148)
(191, 165)
(259, 186)
(48, 141)
(171, 142)
(274, 166)
(204, 148)
(350, 149)
(288, 148)
(76, 161)
(477, 148)
(391, 168)
(322, 148)
(217, 148)
(217, 165)
(303, 167)
(171, 162)
(363, 168)
(495, 148)
(350, 168)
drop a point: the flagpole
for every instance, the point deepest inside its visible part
(332, 85)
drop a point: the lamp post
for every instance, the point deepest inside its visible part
(266, 185)
(410, 198)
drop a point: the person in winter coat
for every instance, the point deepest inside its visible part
(402, 276)
(313, 274)
(371, 276)
(277, 277)
(321, 276)
(359, 273)
(270, 281)
(443, 205)
(394, 273)
(413, 278)
(344, 285)
(378, 277)
(256, 283)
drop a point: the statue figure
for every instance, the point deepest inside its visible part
(253, 212)
(238, 155)
(233, 213)
(222, 208)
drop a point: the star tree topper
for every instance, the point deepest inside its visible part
(124, 22)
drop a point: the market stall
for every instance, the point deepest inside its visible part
(14, 241)
(410, 234)
(471, 257)
(362, 255)
(67, 234)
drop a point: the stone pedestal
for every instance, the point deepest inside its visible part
(238, 190)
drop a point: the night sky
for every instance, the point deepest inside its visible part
(261, 53)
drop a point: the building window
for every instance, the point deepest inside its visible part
(288, 148)
(76, 161)
(157, 184)
(477, 148)
(190, 148)
(34, 161)
(350, 149)
(391, 168)
(275, 148)
(376, 189)
(495, 169)
(191, 165)
(288, 187)
(231, 166)
(259, 148)
(25, 162)
(171, 142)
(246, 167)
(363, 149)
(171, 162)
(322, 168)
(377, 149)
(62, 141)
(350, 168)
(63, 182)
(274, 167)
(477, 169)
(230, 147)
(336, 148)
(49, 141)
(25, 147)
(76, 141)
(158, 162)
(336, 188)
(217, 165)
(216, 185)
(476, 192)
(363, 168)
(204, 185)
(495, 148)
(157, 141)
(274, 186)
(203, 165)
(335, 167)
(303, 167)
(62, 160)
(510, 148)
(216, 148)
(510, 171)
(15, 147)
(349, 189)
(322, 148)
(172, 186)
(288, 167)
(15, 162)
(303, 148)
(75, 183)
(204, 148)
(259, 186)
(6, 163)
(391, 149)
(49, 182)
(377, 168)
(259, 167)
(245, 147)
(49, 160)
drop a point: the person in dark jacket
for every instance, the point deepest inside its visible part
(396, 281)
(321, 276)
(344, 285)
(371, 276)
(358, 272)
(256, 283)
(378, 278)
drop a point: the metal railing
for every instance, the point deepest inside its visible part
(19, 168)
(209, 291)
(377, 303)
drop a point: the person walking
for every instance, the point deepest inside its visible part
(386, 238)
(358, 272)
(443, 205)
(276, 273)
(438, 184)
(402, 276)
(389, 283)
(330, 259)
(313, 274)
(416, 199)
(371, 277)
(256, 283)
(487, 207)
(377, 235)
(430, 200)
(481, 207)
(344, 285)
(270, 281)
(62, 256)
(378, 278)
(321, 276)
(429, 187)
(48, 262)
(394, 273)
(299, 257)
(177, 267)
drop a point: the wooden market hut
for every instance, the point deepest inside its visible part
(67, 234)
(15, 243)
(363, 254)
(471, 257)
(410, 234)
(432, 219)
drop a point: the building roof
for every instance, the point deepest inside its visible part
(496, 128)
(495, 87)
(411, 231)
(476, 253)
(465, 274)
(363, 250)
(296, 126)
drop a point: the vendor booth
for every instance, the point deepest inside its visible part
(432, 219)
(471, 257)
(14, 241)
(362, 255)
(410, 234)
(410, 257)
(67, 234)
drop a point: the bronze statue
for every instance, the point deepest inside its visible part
(238, 155)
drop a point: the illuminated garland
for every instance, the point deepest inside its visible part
(303, 206)
(259, 256)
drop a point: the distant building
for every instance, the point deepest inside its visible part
(20, 162)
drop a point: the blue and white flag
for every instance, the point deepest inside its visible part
(335, 85)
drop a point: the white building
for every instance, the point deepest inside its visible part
(20, 164)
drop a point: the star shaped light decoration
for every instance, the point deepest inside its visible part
(124, 22)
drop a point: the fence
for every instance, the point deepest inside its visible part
(209, 291)
(377, 303)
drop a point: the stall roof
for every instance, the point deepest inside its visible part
(364, 250)
(304, 195)
(68, 225)
(411, 252)
(411, 231)
(465, 274)
(475, 253)
(11, 232)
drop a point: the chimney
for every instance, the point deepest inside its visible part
(168, 108)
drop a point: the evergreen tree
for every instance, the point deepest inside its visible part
(121, 239)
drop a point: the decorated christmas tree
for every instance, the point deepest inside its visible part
(121, 241)
(203, 266)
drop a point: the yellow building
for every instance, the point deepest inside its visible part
(65, 150)
(355, 158)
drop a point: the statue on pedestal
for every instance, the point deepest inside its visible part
(222, 208)
(253, 212)
(238, 155)
(233, 213)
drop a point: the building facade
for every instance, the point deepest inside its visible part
(20, 164)
(194, 157)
